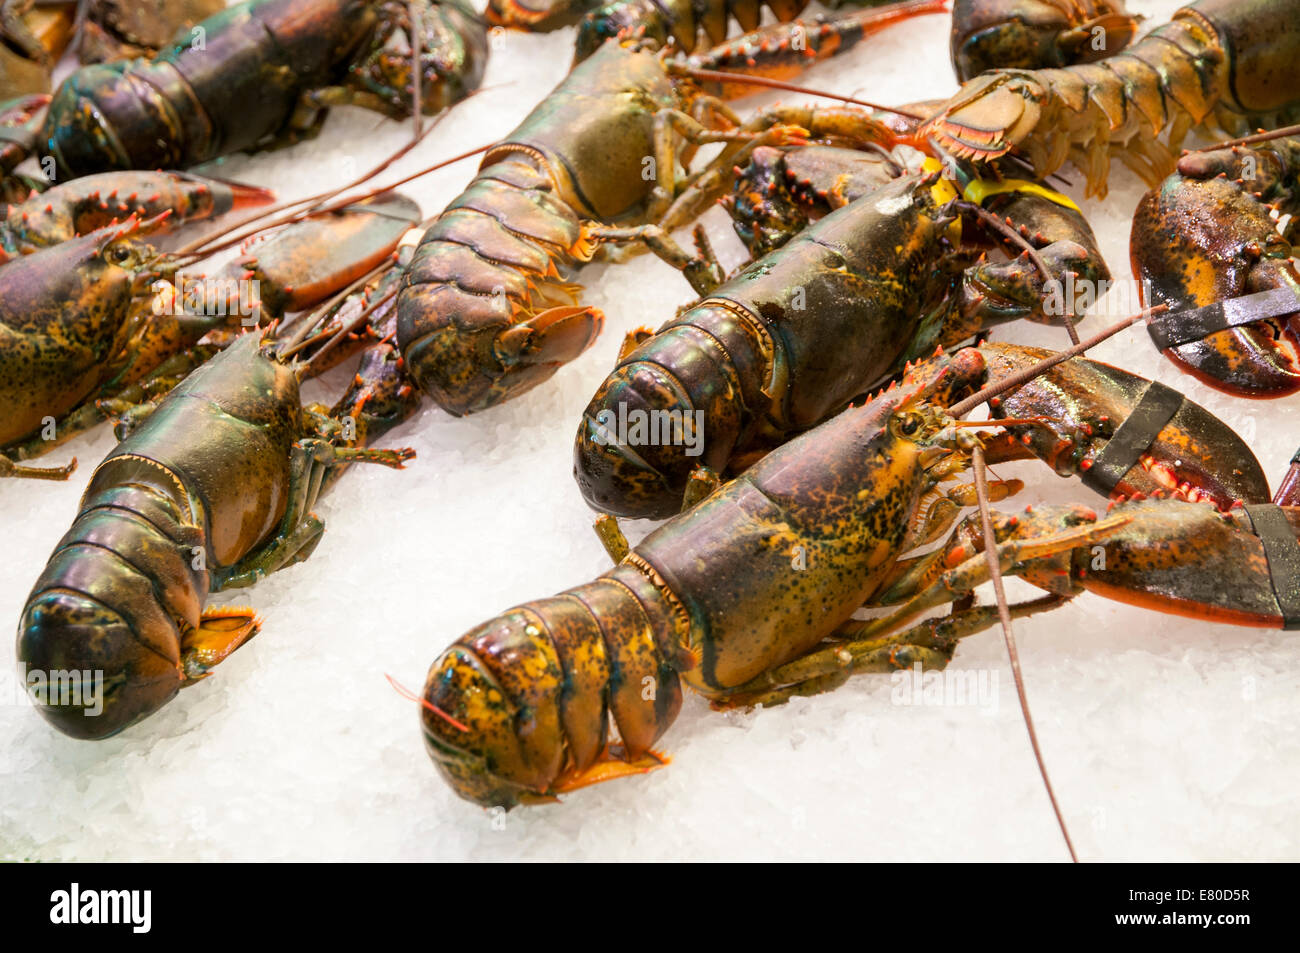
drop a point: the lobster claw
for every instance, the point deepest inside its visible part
(1198, 242)
(313, 258)
(1163, 442)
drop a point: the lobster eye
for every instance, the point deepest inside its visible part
(909, 425)
(117, 254)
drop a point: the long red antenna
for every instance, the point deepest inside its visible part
(1004, 615)
(411, 696)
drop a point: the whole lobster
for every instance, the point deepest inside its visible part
(748, 596)
(1207, 236)
(213, 491)
(486, 312)
(97, 324)
(1228, 62)
(264, 74)
(793, 337)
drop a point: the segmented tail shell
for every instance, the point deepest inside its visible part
(484, 271)
(538, 686)
(118, 592)
(1171, 80)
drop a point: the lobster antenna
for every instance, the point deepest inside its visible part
(1248, 140)
(964, 407)
(347, 329)
(722, 76)
(304, 327)
(417, 45)
(411, 696)
(206, 245)
(323, 209)
(1004, 614)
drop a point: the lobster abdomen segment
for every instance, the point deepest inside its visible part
(538, 685)
(483, 315)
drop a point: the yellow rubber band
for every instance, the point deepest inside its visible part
(981, 189)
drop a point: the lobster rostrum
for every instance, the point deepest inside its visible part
(1035, 34)
(792, 338)
(1208, 234)
(487, 312)
(213, 491)
(1230, 63)
(83, 205)
(265, 74)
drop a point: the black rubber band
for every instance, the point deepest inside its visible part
(1282, 553)
(1133, 437)
(1173, 328)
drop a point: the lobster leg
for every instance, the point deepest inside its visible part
(974, 571)
(672, 125)
(702, 270)
(702, 481)
(8, 468)
(612, 538)
(300, 529)
(930, 643)
(699, 485)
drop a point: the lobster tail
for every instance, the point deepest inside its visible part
(682, 399)
(1032, 34)
(110, 610)
(537, 686)
(1215, 59)
(484, 315)
(122, 116)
